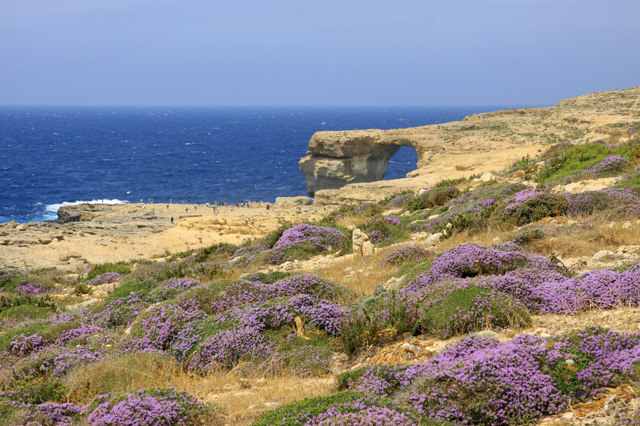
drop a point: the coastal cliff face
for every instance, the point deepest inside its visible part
(338, 159)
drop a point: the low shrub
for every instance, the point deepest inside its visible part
(385, 230)
(120, 268)
(345, 408)
(432, 197)
(141, 288)
(151, 407)
(531, 205)
(408, 254)
(469, 309)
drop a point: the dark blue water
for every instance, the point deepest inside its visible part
(50, 156)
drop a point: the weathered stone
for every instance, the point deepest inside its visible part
(65, 257)
(358, 237)
(604, 255)
(298, 201)
(368, 249)
(434, 239)
(44, 239)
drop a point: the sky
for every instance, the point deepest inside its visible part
(315, 52)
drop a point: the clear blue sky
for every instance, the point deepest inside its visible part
(315, 52)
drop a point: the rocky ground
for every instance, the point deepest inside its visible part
(96, 233)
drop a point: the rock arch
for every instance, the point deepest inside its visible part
(336, 159)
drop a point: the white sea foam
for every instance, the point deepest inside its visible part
(53, 208)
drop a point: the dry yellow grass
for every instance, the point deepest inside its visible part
(361, 274)
(238, 400)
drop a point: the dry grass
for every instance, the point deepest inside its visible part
(361, 274)
(239, 400)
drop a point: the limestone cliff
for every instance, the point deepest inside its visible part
(336, 159)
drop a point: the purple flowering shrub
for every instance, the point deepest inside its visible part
(120, 312)
(610, 166)
(477, 381)
(54, 361)
(408, 254)
(151, 407)
(385, 230)
(303, 241)
(159, 326)
(471, 210)
(106, 278)
(432, 197)
(253, 332)
(599, 358)
(532, 205)
(53, 414)
(612, 203)
(244, 291)
(367, 209)
(398, 201)
(471, 260)
(227, 349)
(29, 288)
(173, 287)
(540, 285)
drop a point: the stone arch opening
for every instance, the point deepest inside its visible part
(405, 160)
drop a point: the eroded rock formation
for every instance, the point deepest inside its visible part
(336, 159)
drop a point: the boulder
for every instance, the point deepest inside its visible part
(67, 256)
(434, 238)
(368, 249)
(359, 238)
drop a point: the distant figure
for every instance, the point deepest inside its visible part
(172, 220)
(167, 206)
(189, 201)
(170, 200)
(267, 207)
(187, 209)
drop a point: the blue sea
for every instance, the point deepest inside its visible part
(50, 156)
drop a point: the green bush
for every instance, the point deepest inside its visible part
(433, 197)
(575, 159)
(535, 208)
(372, 315)
(121, 268)
(469, 309)
(24, 312)
(144, 287)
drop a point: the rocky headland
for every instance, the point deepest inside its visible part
(481, 143)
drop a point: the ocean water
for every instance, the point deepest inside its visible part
(54, 156)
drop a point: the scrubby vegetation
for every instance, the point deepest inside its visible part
(229, 311)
